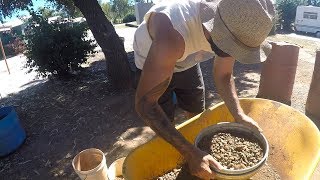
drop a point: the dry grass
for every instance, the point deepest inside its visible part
(309, 44)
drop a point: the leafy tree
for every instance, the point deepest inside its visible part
(116, 10)
(7, 7)
(118, 67)
(107, 9)
(76, 13)
(56, 49)
(46, 12)
(129, 18)
(313, 2)
(287, 12)
(102, 29)
(120, 8)
(12, 44)
(67, 7)
(142, 1)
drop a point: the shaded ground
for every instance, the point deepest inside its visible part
(61, 118)
(64, 117)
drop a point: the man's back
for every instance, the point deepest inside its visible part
(185, 19)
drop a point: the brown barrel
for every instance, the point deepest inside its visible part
(278, 73)
(313, 100)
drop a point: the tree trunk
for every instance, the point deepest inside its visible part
(118, 68)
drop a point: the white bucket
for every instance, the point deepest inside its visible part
(115, 169)
(90, 164)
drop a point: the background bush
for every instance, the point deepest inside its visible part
(286, 10)
(12, 45)
(56, 49)
(129, 18)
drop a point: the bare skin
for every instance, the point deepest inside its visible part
(167, 47)
(222, 73)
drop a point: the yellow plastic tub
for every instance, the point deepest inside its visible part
(293, 138)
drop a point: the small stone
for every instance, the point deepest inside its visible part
(239, 148)
(245, 159)
(217, 156)
(234, 152)
(242, 166)
(237, 166)
(68, 156)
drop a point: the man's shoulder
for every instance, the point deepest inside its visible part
(162, 29)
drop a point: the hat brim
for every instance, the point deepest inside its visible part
(229, 44)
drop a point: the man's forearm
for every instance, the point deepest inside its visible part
(226, 88)
(151, 112)
(154, 116)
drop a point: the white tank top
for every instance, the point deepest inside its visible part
(185, 18)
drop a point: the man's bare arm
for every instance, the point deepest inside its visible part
(223, 76)
(167, 46)
(155, 117)
(222, 73)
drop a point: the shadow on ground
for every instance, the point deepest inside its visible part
(62, 118)
(247, 78)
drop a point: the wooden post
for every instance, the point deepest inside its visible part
(4, 56)
(278, 73)
(313, 101)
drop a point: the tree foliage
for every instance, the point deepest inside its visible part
(46, 12)
(103, 31)
(62, 7)
(8, 7)
(129, 18)
(117, 10)
(120, 9)
(142, 1)
(313, 2)
(66, 6)
(56, 49)
(287, 11)
(12, 44)
(107, 9)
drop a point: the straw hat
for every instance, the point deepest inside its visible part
(239, 27)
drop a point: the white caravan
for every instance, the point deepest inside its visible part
(308, 19)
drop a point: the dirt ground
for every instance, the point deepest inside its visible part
(62, 118)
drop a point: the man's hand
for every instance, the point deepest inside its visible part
(248, 121)
(199, 163)
(223, 70)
